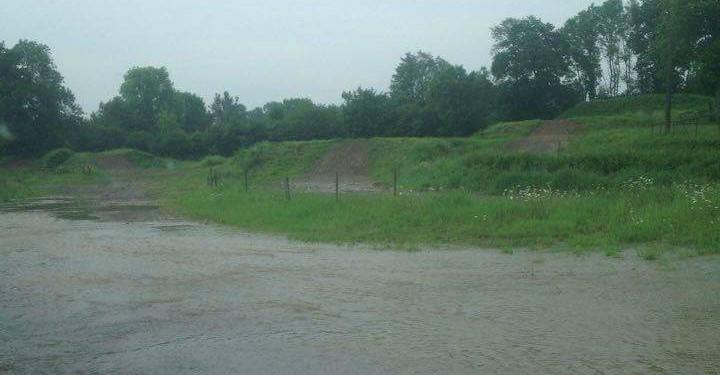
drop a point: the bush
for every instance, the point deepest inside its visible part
(212, 161)
(55, 158)
(138, 158)
(140, 140)
(174, 143)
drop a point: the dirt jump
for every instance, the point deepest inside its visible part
(349, 161)
(548, 137)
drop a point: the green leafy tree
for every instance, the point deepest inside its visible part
(368, 113)
(530, 64)
(115, 113)
(37, 110)
(413, 75)
(147, 92)
(191, 112)
(704, 23)
(644, 18)
(227, 109)
(613, 29)
(462, 102)
(582, 37)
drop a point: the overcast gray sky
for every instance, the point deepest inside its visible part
(260, 50)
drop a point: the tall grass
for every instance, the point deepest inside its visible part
(13, 186)
(679, 216)
(270, 162)
(605, 156)
(643, 105)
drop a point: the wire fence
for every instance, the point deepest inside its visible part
(685, 123)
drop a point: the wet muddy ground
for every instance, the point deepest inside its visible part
(133, 291)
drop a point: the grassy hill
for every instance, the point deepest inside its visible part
(613, 183)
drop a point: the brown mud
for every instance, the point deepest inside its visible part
(548, 137)
(349, 161)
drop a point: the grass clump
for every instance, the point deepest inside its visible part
(138, 158)
(13, 186)
(213, 161)
(55, 158)
(508, 129)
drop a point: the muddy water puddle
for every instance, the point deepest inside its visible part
(173, 297)
(72, 208)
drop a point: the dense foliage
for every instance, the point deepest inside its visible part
(538, 71)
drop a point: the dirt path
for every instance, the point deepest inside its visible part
(548, 137)
(350, 160)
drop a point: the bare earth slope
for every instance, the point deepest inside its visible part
(549, 137)
(348, 159)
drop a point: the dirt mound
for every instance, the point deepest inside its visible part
(350, 161)
(115, 163)
(14, 165)
(549, 137)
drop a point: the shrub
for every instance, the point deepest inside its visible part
(174, 143)
(212, 161)
(138, 158)
(140, 140)
(55, 158)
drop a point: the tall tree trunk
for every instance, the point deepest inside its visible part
(668, 83)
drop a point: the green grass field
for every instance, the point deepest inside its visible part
(682, 217)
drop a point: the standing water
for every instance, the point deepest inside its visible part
(163, 296)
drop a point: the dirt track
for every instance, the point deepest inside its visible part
(348, 159)
(550, 136)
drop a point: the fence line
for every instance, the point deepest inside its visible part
(684, 122)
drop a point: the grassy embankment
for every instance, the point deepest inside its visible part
(63, 170)
(615, 185)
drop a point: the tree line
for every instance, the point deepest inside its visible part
(538, 70)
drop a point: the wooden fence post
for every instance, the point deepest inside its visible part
(287, 188)
(395, 181)
(211, 179)
(246, 181)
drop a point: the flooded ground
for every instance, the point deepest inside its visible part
(88, 291)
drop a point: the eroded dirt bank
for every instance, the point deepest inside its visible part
(172, 297)
(349, 161)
